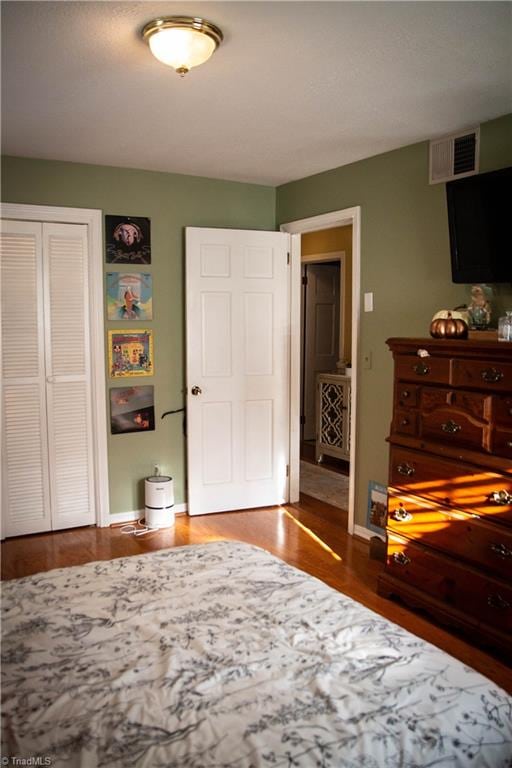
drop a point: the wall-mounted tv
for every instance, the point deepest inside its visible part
(479, 219)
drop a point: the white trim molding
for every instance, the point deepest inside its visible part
(343, 218)
(92, 217)
(365, 533)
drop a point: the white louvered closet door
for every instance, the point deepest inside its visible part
(46, 406)
(25, 482)
(67, 352)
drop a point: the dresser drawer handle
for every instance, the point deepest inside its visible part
(501, 550)
(405, 394)
(451, 427)
(405, 469)
(501, 498)
(404, 422)
(492, 375)
(420, 369)
(401, 558)
(401, 515)
(497, 601)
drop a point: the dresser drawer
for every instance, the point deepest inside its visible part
(502, 410)
(452, 583)
(455, 427)
(435, 370)
(407, 395)
(405, 422)
(478, 491)
(474, 404)
(501, 442)
(482, 374)
(482, 544)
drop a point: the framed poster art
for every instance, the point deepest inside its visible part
(132, 409)
(377, 507)
(128, 240)
(130, 353)
(129, 296)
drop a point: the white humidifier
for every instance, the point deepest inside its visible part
(159, 502)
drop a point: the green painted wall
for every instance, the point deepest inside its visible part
(404, 260)
(172, 202)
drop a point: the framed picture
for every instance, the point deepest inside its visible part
(129, 296)
(130, 353)
(128, 240)
(377, 507)
(132, 409)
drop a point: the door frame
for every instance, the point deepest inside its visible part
(93, 219)
(341, 218)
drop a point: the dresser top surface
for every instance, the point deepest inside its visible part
(501, 350)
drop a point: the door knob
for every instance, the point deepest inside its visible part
(196, 390)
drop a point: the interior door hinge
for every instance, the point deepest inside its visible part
(287, 470)
(303, 419)
(304, 280)
(288, 257)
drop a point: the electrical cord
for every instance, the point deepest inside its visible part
(136, 529)
(178, 410)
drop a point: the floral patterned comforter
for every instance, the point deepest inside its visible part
(221, 655)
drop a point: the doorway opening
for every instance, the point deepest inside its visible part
(325, 286)
(326, 324)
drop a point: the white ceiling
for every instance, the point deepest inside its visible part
(296, 87)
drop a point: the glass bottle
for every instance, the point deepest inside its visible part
(505, 327)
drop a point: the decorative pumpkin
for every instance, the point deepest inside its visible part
(460, 312)
(449, 327)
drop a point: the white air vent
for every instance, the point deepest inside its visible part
(454, 156)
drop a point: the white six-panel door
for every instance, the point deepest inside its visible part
(322, 333)
(237, 313)
(47, 472)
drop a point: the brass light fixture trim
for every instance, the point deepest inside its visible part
(192, 24)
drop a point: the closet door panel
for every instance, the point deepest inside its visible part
(26, 506)
(68, 375)
(71, 481)
(25, 486)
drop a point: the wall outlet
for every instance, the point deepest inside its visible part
(368, 302)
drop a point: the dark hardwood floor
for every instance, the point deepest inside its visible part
(310, 535)
(308, 453)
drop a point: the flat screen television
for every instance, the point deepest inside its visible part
(480, 223)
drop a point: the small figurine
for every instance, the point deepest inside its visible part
(479, 309)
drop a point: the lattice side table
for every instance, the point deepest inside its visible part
(333, 416)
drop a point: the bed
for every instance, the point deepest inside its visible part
(221, 655)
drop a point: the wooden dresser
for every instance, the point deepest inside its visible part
(449, 524)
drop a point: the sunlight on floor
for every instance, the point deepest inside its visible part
(311, 534)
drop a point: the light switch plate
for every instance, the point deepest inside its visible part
(368, 302)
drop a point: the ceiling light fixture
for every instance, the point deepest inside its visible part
(182, 42)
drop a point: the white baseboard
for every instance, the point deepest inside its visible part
(129, 517)
(365, 533)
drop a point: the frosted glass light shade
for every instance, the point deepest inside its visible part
(181, 42)
(181, 47)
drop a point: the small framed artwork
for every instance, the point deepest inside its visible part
(132, 409)
(129, 296)
(377, 507)
(130, 353)
(128, 240)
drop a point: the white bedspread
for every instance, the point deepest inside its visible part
(221, 655)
